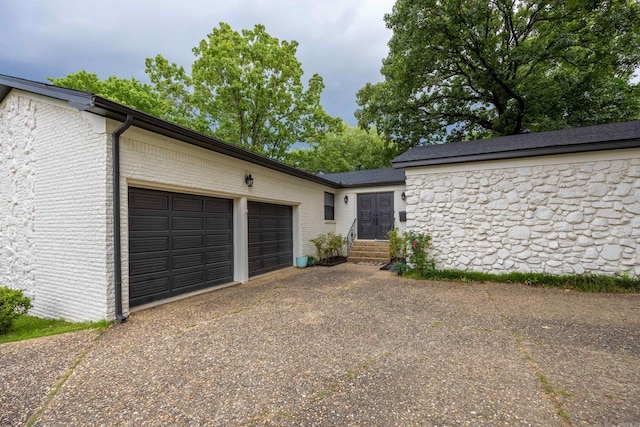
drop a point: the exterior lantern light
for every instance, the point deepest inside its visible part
(403, 196)
(346, 199)
(248, 179)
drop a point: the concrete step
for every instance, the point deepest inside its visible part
(371, 244)
(369, 251)
(368, 260)
(364, 253)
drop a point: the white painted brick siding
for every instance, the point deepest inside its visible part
(557, 214)
(53, 194)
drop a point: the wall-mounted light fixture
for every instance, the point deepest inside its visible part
(248, 179)
(346, 199)
(403, 196)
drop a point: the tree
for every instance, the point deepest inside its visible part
(460, 69)
(344, 151)
(245, 88)
(131, 93)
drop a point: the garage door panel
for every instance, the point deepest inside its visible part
(217, 223)
(192, 279)
(174, 251)
(269, 223)
(285, 234)
(219, 239)
(255, 238)
(188, 204)
(149, 201)
(284, 246)
(187, 223)
(255, 265)
(187, 242)
(270, 237)
(221, 255)
(147, 266)
(148, 244)
(148, 223)
(214, 274)
(186, 261)
(151, 286)
(255, 251)
(221, 206)
(270, 261)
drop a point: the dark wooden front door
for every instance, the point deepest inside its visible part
(375, 215)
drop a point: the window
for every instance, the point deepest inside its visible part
(328, 206)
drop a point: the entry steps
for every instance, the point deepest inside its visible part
(370, 252)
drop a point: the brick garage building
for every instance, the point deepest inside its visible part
(187, 218)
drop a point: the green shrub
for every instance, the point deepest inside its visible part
(418, 258)
(13, 304)
(328, 245)
(320, 242)
(399, 268)
(397, 245)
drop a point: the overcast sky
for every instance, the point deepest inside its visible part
(342, 40)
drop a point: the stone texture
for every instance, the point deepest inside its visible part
(579, 216)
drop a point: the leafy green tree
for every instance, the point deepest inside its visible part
(460, 69)
(344, 150)
(245, 88)
(131, 93)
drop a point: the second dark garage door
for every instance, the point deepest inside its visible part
(270, 237)
(178, 243)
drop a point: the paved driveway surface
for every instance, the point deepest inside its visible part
(348, 345)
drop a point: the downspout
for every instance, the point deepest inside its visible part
(117, 258)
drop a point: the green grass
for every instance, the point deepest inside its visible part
(27, 327)
(578, 282)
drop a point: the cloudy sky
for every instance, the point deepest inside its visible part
(342, 40)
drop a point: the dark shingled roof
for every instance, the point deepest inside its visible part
(593, 138)
(84, 101)
(367, 178)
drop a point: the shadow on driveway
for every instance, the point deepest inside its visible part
(348, 345)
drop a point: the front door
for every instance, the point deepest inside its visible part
(375, 215)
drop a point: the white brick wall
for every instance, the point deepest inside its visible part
(557, 214)
(53, 198)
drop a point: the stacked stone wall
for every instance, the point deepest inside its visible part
(561, 218)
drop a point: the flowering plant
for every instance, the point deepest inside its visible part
(419, 260)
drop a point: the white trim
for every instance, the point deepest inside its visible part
(240, 240)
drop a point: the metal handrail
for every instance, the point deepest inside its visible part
(351, 236)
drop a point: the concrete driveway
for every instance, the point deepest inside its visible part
(348, 345)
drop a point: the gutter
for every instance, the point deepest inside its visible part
(117, 258)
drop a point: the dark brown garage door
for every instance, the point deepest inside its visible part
(270, 237)
(178, 243)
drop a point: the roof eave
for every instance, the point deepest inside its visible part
(376, 184)
(115, 111)
(516, 154)
(84, 101)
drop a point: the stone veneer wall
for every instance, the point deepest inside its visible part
(557, 214)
